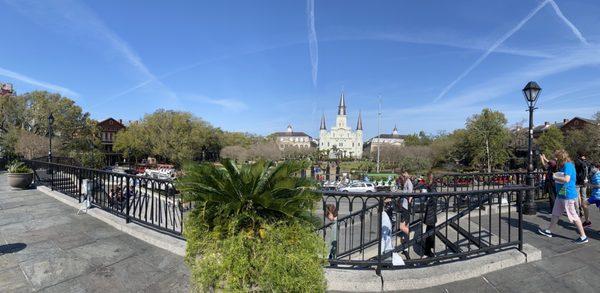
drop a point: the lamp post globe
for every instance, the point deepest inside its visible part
(531, 92)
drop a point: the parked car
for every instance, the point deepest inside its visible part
(359, 187)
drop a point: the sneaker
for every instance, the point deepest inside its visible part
(580, 240)
(587, 224)
(545, 232)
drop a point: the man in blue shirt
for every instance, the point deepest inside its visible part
(594, 184)
(567, 195)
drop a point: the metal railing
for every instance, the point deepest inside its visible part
(485, 221)
(151, 202)
(454, 182)
(466, 223)
(487, 181)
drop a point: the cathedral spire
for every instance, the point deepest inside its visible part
(359, 123)
(323, 127)
(342, 106)
(395, 130)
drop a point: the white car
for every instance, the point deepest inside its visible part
(359, 187)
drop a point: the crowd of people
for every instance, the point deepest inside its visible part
(397, 214)
(572, 187)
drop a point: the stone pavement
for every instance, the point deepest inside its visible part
(45, 246)
(565, 266)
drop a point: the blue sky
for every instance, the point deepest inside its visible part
(256, 66)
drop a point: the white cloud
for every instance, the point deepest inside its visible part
(446, 39)
(573, 28)
(232, 105)
(77, 20)
(491, 49)
(29, 80)
(508, 35)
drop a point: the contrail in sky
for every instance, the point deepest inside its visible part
(491, 49)
(312, 40)
(568, 23)
(29, 80)
(558, 12)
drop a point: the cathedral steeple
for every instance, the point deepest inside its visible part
(395, 130)
(359, 123)
(342, 106)
(323, 126)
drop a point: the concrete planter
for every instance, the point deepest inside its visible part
(20, 180)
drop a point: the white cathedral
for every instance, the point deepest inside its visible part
(341, 141)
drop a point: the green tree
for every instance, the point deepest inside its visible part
(487, 139)
(172, 136)
(551, 140)
(416, 139)
(585, 141)
(132, 142)
(444, 149)
(73, 128)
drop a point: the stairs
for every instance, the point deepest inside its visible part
(458, 235)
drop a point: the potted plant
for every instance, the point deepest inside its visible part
(19, 175)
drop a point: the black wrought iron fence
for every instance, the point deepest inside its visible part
(487, 181)
(439, 230)
(152, 202)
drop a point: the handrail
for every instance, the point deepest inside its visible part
(103, 171)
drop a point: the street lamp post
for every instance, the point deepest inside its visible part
(50, 123)
(531, 93)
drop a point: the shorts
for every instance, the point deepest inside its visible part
(594, 200)
(566, 205)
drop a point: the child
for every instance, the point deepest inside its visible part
(332, 214)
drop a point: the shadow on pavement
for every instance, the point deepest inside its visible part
(12, 248)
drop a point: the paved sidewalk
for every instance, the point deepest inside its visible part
(45, 246)
(565, 266)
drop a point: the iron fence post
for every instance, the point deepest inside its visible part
(50, 167)
(79, 180)
(379, 235)
(127, 193)
(520, 211)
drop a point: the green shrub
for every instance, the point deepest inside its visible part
(252, 228)
(288, 259)
(18, 167)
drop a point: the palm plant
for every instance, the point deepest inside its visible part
(230, 199)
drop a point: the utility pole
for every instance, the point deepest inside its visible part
(378, 133)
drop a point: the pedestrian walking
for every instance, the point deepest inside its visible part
(566, 196)
(551, 168)
(582, 166)
(594, 185)
(407, 187)
(430, 217)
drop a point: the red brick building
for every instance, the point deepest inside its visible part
(577, 123)
(108, 134)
